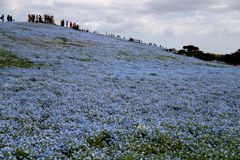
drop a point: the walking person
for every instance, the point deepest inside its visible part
(29, 18)
(40, 19)
(62, 23)
(37, 18)
(45, 18)
(2, 18)
(33, 18)
(67, 24)
(70, 24)
(8, 18)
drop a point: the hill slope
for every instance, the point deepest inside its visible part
(71, 94)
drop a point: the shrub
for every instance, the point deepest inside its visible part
(233, 58)
(190, 48)
(193, 51)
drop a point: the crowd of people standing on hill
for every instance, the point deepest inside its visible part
(50, 20)
(9, 18)
(46, 19)
(71, 25)
(38, 18)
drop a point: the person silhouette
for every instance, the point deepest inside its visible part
(2, 18)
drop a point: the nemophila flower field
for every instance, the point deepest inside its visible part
(66, 94)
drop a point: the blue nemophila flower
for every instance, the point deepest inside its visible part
(89, 98)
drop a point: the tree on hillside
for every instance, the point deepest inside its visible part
(233, 58)
(181, 52)
(190, 48)
(193, 51)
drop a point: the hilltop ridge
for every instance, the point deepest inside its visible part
(51, 37)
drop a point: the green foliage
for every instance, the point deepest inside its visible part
(122, 53)
(85, 59)
(26, 29)
(101, 140)
(65, 42)
(210, 65)
(202, 142)
(71, 44)
(63, 39)
(21, 153)
(8, 59)
(205, 56)
(233, 58)
(193, 51)
(182, 52)
(82, 59)
(190, 48)
(153, 74)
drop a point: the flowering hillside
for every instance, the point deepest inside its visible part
(66, 94)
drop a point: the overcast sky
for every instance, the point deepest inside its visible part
(211, 25)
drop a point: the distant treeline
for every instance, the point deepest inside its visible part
(192, 51)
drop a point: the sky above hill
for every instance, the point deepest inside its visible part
(211, 25)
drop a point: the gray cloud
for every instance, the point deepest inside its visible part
(174, 6)
(183, 6)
